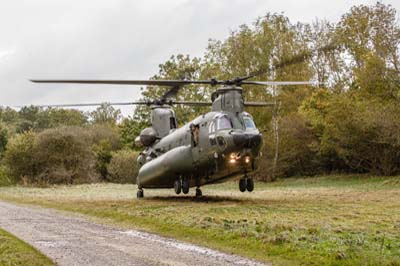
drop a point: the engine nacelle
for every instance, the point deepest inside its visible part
(148, 136)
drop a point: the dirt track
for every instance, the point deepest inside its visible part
(76, 241)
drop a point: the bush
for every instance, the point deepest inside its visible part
(298, 147)
(19, 157)
(123, 167)
(54, 156)
(104, 140)
(63, 156)
(5, 177)
(3, 139)
(365, 134)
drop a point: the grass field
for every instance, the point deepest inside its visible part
(331, 220)
(14, 252)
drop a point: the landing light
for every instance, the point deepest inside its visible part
(247, 160)
(232, 160)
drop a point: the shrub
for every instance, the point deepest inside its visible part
(104, 140)
(298, 148)
(19, 156)
(365, 134)
(53, 156)
(63, 156)
(5, 177)
(123, 167)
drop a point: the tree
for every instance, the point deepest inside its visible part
(129, 129)
(3, 139)
(105, 114)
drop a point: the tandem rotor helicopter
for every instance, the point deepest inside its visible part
(217, 146)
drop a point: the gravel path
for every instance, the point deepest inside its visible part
(74, 241)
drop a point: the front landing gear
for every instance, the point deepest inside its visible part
(140, 193)
(246, 184)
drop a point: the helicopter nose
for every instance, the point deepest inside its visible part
(247, 140)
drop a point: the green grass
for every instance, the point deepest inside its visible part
(15, 252)
(328, 220)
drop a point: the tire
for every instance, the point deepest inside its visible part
(177, 187)
(139, 194)
(185, 186)
(242, 185)
(198, 193)
(250, 185)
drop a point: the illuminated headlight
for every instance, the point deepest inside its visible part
(247, 159)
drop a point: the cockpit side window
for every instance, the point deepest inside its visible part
(172, 123)
(223, 123)
(249, 123)
(211, 127)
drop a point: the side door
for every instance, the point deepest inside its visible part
(200, 144)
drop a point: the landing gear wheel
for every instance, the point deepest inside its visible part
(242, 185)
(198, 193)
(177, 186)
(185, 186)
(140, 194)
(250, 185)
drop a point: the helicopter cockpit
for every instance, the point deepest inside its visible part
(248, 122)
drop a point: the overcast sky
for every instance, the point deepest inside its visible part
(120, 39)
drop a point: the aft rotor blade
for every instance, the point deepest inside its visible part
(168, 83)
(258, 104)
(279, 83)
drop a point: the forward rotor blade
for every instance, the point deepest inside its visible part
(168, 83)
(258, 104)
(124, 103)
(299, 58)
(279, 83)
(193, 103)
(89, 104)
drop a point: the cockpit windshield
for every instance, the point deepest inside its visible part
(223, 123)
(249, 123)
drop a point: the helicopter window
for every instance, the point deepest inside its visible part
(237, 123)
(172, 123)
(249, 123)
(211, 127)
(223, 123)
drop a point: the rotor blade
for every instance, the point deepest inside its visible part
(279, 83)
(258, 104)
(89, 104)
(192, 103)
(299, 58)
(168, 83)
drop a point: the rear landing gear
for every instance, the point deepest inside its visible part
(198, 193)
(246, 184)
(185, 186)
(140, 193)
(178, 186)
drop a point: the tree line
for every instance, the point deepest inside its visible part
(349, 123)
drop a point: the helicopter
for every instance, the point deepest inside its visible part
(220, 145)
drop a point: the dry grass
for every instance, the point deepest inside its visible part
(333, 220)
